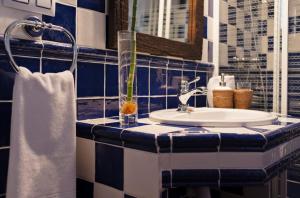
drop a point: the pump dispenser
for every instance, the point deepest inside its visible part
(223, 95)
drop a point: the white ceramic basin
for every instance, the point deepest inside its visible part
(214, 117)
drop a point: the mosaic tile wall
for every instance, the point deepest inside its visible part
(294, 58)
(96, 77)
(293, 85)
(246, 32)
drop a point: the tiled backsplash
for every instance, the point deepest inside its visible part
(97, 74)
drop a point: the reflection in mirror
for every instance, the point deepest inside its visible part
(163, 18)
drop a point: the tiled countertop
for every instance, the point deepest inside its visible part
(207, 156)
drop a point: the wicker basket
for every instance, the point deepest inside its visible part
(243, 98)
(223, 98)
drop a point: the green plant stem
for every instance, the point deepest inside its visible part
(133, 54)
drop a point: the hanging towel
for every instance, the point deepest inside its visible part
(42, 144)
(214, 82)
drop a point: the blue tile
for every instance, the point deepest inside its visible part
(7, 77)
(90, 108)
(109, 166)
(173, 81)
(64, 16)
(108, 134)
(143, 81)
(140, 141)
(33, 64)
(166, 179)
(84, 130)
(112, 80)
(246, 142)
(293, 190)
(5, 114)
(143, 105)
(157, 81)
(205, 27)
(189, 76)
(232, 15)
(203, 79)
(172, 102)
(201, 101)
(242, 177)
(195, 142)
(4, 155)
(90, 79)
(55, 66)
(84, 189)
(96, 5)
(157, 103)
(111, 107)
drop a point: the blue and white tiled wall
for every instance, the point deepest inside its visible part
(207, 54)
(294, 58)
(293, 85)
(239, 19)
(246, 31)
(97, 73)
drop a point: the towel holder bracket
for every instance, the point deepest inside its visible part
(33, 31)
(34, 27)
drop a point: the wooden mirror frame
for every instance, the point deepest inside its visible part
(118, 20)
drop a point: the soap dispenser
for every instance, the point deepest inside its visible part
(223, 95)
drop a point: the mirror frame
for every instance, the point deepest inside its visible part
(118, 20)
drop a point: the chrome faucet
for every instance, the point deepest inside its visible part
(185, 93)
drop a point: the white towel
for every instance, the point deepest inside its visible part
(215, 82)
(42, 144)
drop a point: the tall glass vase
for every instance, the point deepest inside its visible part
(127, 77)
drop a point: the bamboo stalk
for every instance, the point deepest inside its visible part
(133, 54)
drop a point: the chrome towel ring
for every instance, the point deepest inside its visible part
(34, 27)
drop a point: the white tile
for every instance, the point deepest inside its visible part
(142, 176)
(194, 161)
(293, 120)
(270, 28)
(270, 61)
(85, 159)
(69, 2)
(294, 8)
(210, 30)
(103, 191)
(238, 130)
(231, 39)
(264, 44)
(91, 28)
(204, 51)
(9, 15)
(294, 43)
(147, 121)
(155, 129)
(206, 7)
(224, 12)
(99, 121)
(223, 54)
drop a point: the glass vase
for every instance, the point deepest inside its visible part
(127, 77)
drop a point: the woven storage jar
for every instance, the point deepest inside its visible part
(243, 98)
(223, 98)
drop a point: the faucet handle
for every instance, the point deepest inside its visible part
(184, 85)
(195, 80)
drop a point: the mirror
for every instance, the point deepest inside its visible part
(164, 27)
(163, 18)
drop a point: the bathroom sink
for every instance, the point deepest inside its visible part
(214, 117)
